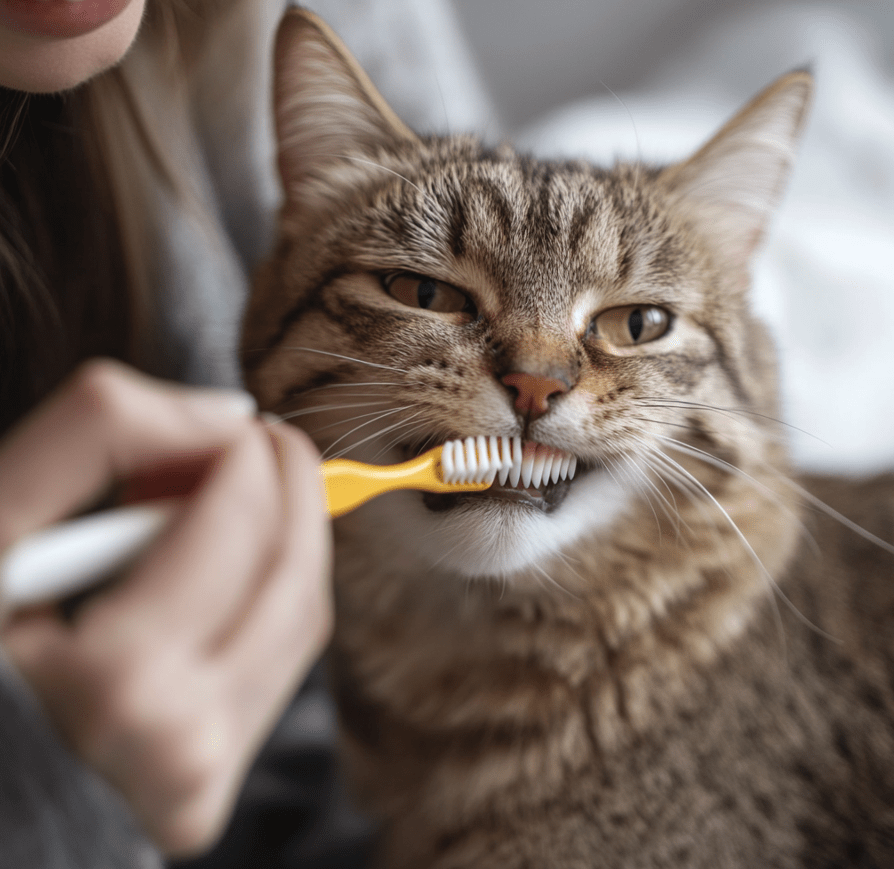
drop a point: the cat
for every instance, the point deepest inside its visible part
(672, 660)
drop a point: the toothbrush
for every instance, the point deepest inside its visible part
(74, 555)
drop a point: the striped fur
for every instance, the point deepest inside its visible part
(629, 671)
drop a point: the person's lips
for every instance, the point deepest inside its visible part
(58, 18)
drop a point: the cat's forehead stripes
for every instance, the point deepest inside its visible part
(525, 234)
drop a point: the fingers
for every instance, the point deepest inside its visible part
(193, 583)
(290, 620)
(168, 682)
(105, 423)
(269, 650)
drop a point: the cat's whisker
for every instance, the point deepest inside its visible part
(395, 441)
(669, 507)
(349, 385)
(695, 492)
(615, 470)
(553, 582)
(569, 563)
(345, 420)
(750, 550)
(831, 511)
(723, 465)
(345, 450)
(376, 165)
(346, 358)
(376, 418)
(732, 412)
(709, 458)
(373, 436)
(654, 461)
(283, 406)
(445, 552)
(665, 469)
(764, 434)
(638, 162)
(323, 408)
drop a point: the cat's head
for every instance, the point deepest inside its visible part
(425, 289)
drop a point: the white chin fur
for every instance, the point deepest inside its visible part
(490, 538)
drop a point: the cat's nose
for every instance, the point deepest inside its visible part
(533, 392)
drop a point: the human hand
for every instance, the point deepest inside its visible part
(168, 681)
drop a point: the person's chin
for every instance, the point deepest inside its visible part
(54, 45)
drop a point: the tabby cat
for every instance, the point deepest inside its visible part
(673, 659)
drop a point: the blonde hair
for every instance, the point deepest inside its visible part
(77, 175)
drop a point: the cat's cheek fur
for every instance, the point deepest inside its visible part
(485, 538)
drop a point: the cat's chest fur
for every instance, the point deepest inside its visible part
(670, 660)
(517, 728)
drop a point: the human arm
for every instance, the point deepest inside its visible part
(167, 682)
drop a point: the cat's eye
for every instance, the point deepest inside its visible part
(632, 324)
(417, 291)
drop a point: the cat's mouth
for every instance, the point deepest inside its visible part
(542, 483)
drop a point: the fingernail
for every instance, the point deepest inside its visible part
(224, 403)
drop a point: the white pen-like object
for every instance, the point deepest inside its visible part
(69, 557)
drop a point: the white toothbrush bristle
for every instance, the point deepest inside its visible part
(482, 458)
(505, 453)
(505, 460)
(459, 460)
(447, 467)
(486, 459)
(471, 460)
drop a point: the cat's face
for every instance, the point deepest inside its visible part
(430, 290)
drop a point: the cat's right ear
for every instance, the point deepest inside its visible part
(731, 185)
(326, 109)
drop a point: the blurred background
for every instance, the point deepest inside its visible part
(653, 79)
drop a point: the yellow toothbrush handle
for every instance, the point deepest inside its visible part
(349, 484)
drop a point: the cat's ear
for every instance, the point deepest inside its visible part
(731, 185)
(325, 106)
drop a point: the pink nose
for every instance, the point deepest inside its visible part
(533, 393)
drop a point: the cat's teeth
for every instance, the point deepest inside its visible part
(556, 469)
(572, 467)
(515, 472)
(547, 470)
(527, 466)
(539, 466)
(566, 463)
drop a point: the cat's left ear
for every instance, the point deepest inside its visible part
(325, 106)
(730, 186)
